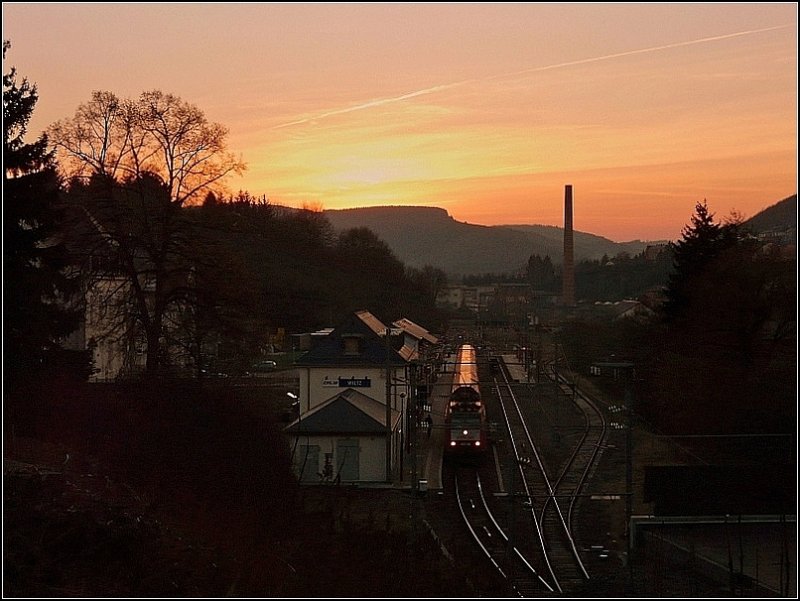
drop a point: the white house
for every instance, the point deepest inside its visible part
(343, 397)
(343, 439)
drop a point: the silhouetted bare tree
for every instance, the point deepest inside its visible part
(159, 134)
(133, 165)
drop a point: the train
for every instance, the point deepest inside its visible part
(465, 420)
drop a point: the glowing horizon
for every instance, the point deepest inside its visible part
(484, 110)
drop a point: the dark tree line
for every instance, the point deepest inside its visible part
(721, 355)
(606, 279)
(302, 275)
(726, 354)
(622, 277)
(36, 278)
(230, 273)
(140, 234)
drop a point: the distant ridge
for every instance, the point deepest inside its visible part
(422, 236)
(779, 220)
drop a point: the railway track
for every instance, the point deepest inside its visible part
(552, 500)
(574, 474)
(535, 555)
(508, 560)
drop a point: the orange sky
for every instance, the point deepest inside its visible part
(486, 110)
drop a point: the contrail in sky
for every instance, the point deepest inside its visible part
(583, 61)
(377, 102)
(640, 51)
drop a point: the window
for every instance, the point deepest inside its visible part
(352, 346)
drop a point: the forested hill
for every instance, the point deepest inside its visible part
(422, 236)
(779, 219)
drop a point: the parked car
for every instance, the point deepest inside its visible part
(262, 367)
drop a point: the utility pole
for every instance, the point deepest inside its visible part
(412, 424)
(628, 458)
(512, 519)
(629, 376)
(556, 388)
(388, 407)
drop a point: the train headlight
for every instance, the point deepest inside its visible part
(452, 443)
(465, 432)
(477, 443)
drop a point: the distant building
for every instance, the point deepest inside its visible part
(342, 430)
(474, 298)
(630, 309)
(612, 369)
(308, 340)
(451, 297)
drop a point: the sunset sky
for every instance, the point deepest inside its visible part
(486, 110)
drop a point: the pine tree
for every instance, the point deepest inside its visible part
(34, 262)
(703, 240)
(721, 364)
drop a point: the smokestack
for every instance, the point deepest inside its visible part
(568, 290)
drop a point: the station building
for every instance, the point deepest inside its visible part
(347, 406)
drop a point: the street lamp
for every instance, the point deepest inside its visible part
(296, 401)
(295, 405)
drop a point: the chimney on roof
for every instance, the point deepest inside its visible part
(568, 272)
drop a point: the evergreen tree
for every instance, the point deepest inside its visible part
(36, 282)
(703, 240)
(726, 362)
(541, 273)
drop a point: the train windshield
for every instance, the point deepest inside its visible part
(465, 394)
(463, 420)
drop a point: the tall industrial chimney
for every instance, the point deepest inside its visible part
(568, 272)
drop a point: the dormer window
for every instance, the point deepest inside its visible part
(352, 345)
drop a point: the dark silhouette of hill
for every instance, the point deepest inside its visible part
(422, 236)
(778, 219)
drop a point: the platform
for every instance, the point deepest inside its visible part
(515, 369)
(430, 442)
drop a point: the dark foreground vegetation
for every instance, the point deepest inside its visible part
(172, 490)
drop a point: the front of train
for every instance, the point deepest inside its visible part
(465, 424)
(466, 415)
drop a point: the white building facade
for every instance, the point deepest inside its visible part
(341, 433)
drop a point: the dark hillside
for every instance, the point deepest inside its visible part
(780, 218)
(422, 236)
(587, 246)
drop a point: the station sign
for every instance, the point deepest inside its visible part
(329, 382)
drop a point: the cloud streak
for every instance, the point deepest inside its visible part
(584, 61)
(373, 103)
(606, 57)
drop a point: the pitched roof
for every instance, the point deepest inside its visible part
(372, 344)
(374, 324)
(415, 330)
(350, 412)
(627, 308)
(408, 352)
